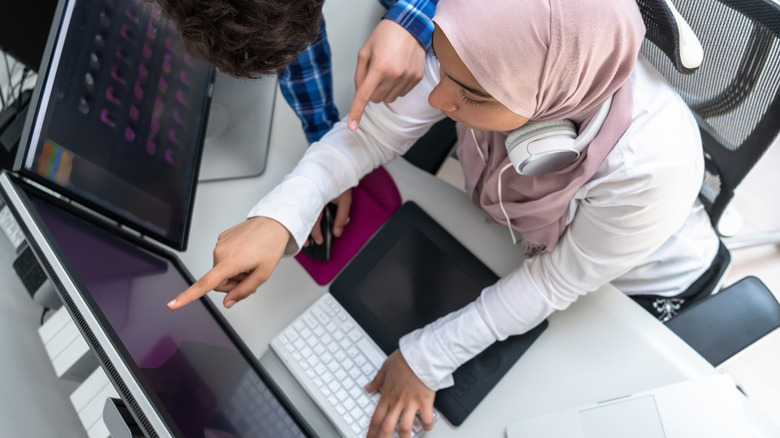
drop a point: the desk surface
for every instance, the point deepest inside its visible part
(603, 346)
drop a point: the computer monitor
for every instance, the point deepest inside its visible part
(239, 128)
(117, 117)
(24, 27)
(181, 373)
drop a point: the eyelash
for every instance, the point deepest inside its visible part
(469, 101)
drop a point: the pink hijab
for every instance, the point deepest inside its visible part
(544, 60)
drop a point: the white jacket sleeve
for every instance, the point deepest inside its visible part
(623, 215)
(342, 157)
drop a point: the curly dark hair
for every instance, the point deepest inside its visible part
(246, 38)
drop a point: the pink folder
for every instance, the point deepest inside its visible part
(374, 200)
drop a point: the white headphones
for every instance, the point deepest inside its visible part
(543, 147)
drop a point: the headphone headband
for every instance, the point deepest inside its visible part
(537, 148)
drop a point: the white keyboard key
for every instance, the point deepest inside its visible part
(357, 413)
(355, 335)
(360, 359)
(309, 319)
(355, 373)
(322, 316)
(373, 354)
(362, 380)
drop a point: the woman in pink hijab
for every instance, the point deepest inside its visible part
(621, 209)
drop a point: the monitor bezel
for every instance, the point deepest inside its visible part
(144, 405)
(44, 81)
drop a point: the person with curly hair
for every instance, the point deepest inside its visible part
(255, 38)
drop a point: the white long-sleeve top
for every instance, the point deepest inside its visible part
(636, 223)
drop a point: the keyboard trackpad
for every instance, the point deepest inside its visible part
(636, 418)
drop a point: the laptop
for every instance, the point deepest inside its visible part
(409, 274)
(707, 407)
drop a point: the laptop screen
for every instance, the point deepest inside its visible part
(191, 368)
(117, 118)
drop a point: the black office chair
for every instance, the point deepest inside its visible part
(735, 97)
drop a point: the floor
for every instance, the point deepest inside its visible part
(755, 208)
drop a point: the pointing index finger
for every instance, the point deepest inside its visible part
(362, 97)
(201, 287)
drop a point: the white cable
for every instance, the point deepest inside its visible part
(476, 145)
(501, 204)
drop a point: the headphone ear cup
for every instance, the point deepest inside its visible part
(542, 147)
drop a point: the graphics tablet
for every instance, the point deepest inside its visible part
(411, 273)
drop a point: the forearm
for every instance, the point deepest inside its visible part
(606, 239)
(307, 86)
(342, 157)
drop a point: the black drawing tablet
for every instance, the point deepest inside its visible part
(411, 273)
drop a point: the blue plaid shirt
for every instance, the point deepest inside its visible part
(307, 83)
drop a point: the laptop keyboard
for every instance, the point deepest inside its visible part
(333, 358)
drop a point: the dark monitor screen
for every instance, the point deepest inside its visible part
(24, 27)
(191, 368)
(117, 119)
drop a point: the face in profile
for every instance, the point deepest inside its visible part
(460, 97)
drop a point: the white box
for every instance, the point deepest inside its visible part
(88, 400)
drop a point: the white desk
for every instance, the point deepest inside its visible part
(601, 347)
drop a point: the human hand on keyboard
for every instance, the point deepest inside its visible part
(244, 258)
(403, 396)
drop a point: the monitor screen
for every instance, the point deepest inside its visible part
(200, 380)
(24, 26)
(117, 119)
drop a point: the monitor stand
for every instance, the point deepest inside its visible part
(239, 128)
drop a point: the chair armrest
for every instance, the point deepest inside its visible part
(725, 323)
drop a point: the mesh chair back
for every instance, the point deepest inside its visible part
(735, 94)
